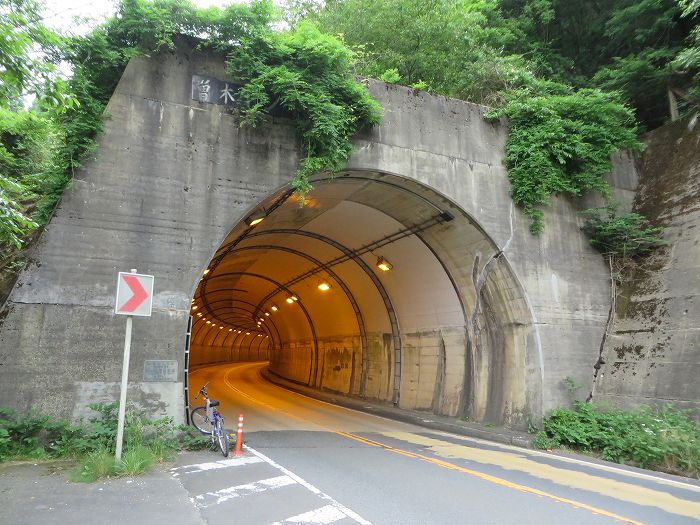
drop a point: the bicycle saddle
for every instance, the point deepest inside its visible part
(213, 403)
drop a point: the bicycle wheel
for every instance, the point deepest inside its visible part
(222, 436)
(200, 421)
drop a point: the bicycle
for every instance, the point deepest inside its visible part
(208, 420)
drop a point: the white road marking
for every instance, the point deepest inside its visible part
(320, 516)
(213, 465)
(220, 496)
(342, 508)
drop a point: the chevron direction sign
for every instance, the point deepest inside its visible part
(134, 294)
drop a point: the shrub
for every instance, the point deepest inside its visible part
(662, 439)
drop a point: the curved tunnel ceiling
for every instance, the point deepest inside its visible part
(336, 237)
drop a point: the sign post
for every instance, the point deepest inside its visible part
(134, 297)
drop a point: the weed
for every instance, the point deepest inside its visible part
(96, 465)
(135, 460)
(662, 439)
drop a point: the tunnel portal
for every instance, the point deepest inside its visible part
(376, 287)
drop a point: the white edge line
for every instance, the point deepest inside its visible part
(349, 513)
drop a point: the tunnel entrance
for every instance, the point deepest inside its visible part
(377, 287)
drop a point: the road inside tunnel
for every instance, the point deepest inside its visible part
(241, 389)
(367, 469)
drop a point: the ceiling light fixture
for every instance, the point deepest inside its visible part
(195, 307)
(267, 314)
(255, 218)
(384, 265)
(206, 271)
(289, 300)
(274, 308)
(247, 333)
(324, 286)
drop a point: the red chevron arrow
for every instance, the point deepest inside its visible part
(140, 294)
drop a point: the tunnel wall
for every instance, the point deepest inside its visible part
(170, 178)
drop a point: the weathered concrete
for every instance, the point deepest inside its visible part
(652, 355)
(172, 177)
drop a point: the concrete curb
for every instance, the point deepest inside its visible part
(423, 419)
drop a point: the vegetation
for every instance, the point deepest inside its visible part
(573, 92)
(92, 442)
(620, 236)
(569, 89)
(662, 439)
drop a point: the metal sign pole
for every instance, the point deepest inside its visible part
(125, 383)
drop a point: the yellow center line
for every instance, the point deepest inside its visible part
(492, 479)
(444, 464)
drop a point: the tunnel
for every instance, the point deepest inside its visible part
(376, 287)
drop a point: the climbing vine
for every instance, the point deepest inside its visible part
(306, 74)
(560, 142)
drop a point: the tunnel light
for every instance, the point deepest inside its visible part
(262, 319)
(267, 314)
(274, 308)
(208, 322)
(230, 329)
(247, 333)
(289, 300)
(239, 331)
(206, 271)
(220, 327)
(255, 218)
(199, 314)
(384, 265)
(213, 326)
(324, 286)
(195, 307)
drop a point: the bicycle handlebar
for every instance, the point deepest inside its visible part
(203, 390)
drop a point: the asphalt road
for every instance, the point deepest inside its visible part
(312, 462)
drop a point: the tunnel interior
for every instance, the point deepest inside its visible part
(377, 287)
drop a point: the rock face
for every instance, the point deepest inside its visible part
(652, 355)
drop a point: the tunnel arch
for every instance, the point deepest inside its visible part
(446, 329)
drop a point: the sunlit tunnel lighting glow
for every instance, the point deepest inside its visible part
(324, 286)
(247, 333)
(384, 265)
(206, 271)
(274, 308)
(289, 300)
(195, 307)
(208, 322)
(267, 314)
(255, 218)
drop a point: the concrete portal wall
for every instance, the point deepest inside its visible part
(652, 354)
(169, 179)
(172, 176)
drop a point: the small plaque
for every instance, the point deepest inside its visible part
(160, 370)
(214, 91)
